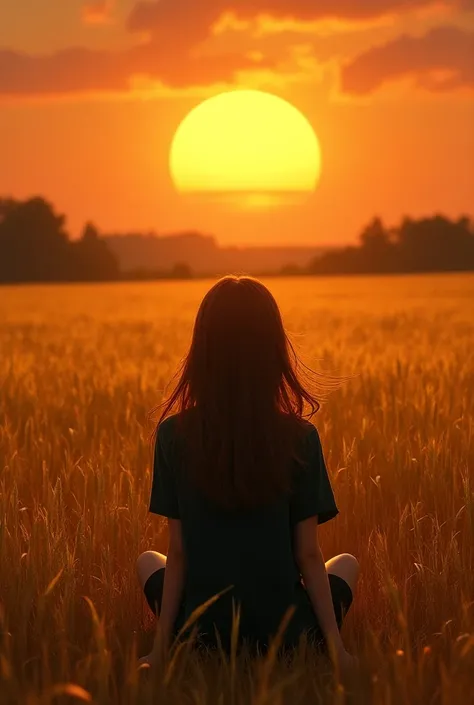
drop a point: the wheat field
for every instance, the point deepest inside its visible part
(80, 368)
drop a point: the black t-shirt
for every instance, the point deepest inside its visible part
(250, 550)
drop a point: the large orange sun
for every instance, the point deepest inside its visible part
(245, 143)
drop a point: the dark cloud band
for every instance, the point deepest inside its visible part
(442, 59)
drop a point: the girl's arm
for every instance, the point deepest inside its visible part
(173, 587)
(313, 570)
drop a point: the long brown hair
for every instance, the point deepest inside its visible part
(240, 396)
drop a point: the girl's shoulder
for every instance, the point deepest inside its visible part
(167, 428)
(308, 442)
(307, 429)
(306, 425)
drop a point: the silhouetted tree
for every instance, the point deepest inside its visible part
(35, 247)
(92, 259)
(33, 242)
(181, 270)
(435, 244)
(377, 248)
(427, 245)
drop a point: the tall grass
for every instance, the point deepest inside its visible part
(81, 366)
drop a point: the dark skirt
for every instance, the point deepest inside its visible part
(304, 621)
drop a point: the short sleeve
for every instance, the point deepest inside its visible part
(312, 492)
(164, 497)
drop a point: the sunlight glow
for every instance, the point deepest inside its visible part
(245, 141)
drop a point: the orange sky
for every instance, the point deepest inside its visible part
(91, 94)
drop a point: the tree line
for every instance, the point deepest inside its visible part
(35, 247)
(434, 244)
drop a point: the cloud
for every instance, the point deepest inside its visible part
(79, 70)
(196, 17)
(71, 70)
(172, 48)
(97, 11)
(442, 59)
(168, 56)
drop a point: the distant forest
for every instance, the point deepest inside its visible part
(36, 247)
(434, 244)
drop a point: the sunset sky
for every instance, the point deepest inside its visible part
(92, 92)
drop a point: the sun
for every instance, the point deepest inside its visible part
(248, 144)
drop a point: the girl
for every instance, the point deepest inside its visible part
(241, 478)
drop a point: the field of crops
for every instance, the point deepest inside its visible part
(80, 368)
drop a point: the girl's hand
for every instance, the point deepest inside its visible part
(346, 662)
(146, 661)
(160, 651)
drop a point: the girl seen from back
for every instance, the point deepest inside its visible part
(239, 474)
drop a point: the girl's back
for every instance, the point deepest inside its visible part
(247, 552)
(242, 480)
